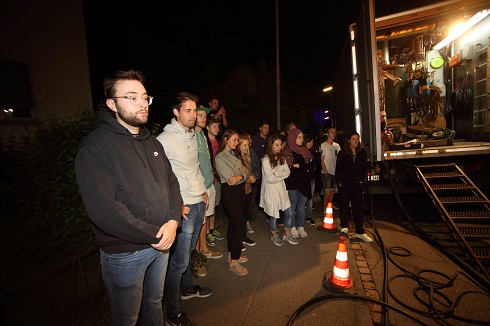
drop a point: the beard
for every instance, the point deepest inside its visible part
(187, 123)
(201, 124)
(131, 118)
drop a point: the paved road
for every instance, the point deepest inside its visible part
(283, 280)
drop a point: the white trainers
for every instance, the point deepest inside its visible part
(276, 239)
(302, 232)
(294, 232)
(290, 239)
(364, 237)
(344, 230)
(249, 228)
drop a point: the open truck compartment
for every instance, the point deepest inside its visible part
(415, 86)
(416, 92)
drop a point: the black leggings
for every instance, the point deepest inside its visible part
(233, 200)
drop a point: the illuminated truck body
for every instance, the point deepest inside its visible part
(414, 90)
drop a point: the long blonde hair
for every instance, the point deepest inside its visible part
(245, 157)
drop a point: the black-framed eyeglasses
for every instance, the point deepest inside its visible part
(135, 100)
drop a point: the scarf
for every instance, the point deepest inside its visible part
(293, 147)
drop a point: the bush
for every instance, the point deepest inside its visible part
(44, 213)
(40, 197)
(43, 196)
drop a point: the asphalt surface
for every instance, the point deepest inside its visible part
(415, 285)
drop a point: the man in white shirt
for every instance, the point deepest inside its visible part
(329, 149)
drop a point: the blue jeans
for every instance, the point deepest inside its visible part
(135, 279)
(288, 220)
(309, 202)
(298, 202)
(179, 274)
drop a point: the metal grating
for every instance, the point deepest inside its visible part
(475, 231)
(441, 175)
(469, 214)
(449, 186)
(465, 211)
(461, 200)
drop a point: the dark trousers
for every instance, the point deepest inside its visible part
(248, 210)
(353, 193)
(233, 201)
(250, 202)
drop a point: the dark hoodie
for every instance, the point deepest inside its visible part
(127, 186)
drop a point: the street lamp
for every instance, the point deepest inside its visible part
(326, 90)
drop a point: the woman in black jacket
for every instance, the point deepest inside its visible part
(298, 183)
(350, 172)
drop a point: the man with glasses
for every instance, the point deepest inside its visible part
(132, 199)
(179, 141)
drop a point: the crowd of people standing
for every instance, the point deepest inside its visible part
(152, 201)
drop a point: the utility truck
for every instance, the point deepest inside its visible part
(416, 86)
(414, 89)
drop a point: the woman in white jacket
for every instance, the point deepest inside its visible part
(273, 195)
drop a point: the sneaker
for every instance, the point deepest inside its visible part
(201, 271)
(310, 221)
(294, 232)
(249, 228)
(277, 240)
(242, 259)
(179, 320)
(212, 254)
(335, 206)
(248, 241)
(210, 240)
(243, 248)
(217, 235)
(302, 232)
(364, 237)
(344, 230)
(238, 269)
(289, 239)
(197, 292)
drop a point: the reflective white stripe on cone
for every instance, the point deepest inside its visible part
(340, 276)
(327, 225)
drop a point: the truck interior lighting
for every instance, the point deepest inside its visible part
(468, 149)
(455, 33)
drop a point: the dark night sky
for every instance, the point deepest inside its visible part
(192, 45)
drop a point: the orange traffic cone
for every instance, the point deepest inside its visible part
(327, 225)
(340, 277)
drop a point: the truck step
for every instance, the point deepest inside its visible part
(465, 210)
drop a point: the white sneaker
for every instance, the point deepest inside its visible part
(290, 239)
(344, 230)
(249, 228)
(302, 232)
(294, 232)
(277, 240)
(364, 237)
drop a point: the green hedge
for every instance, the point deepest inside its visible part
(42, 209)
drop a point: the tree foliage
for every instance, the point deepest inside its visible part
(42, 197)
